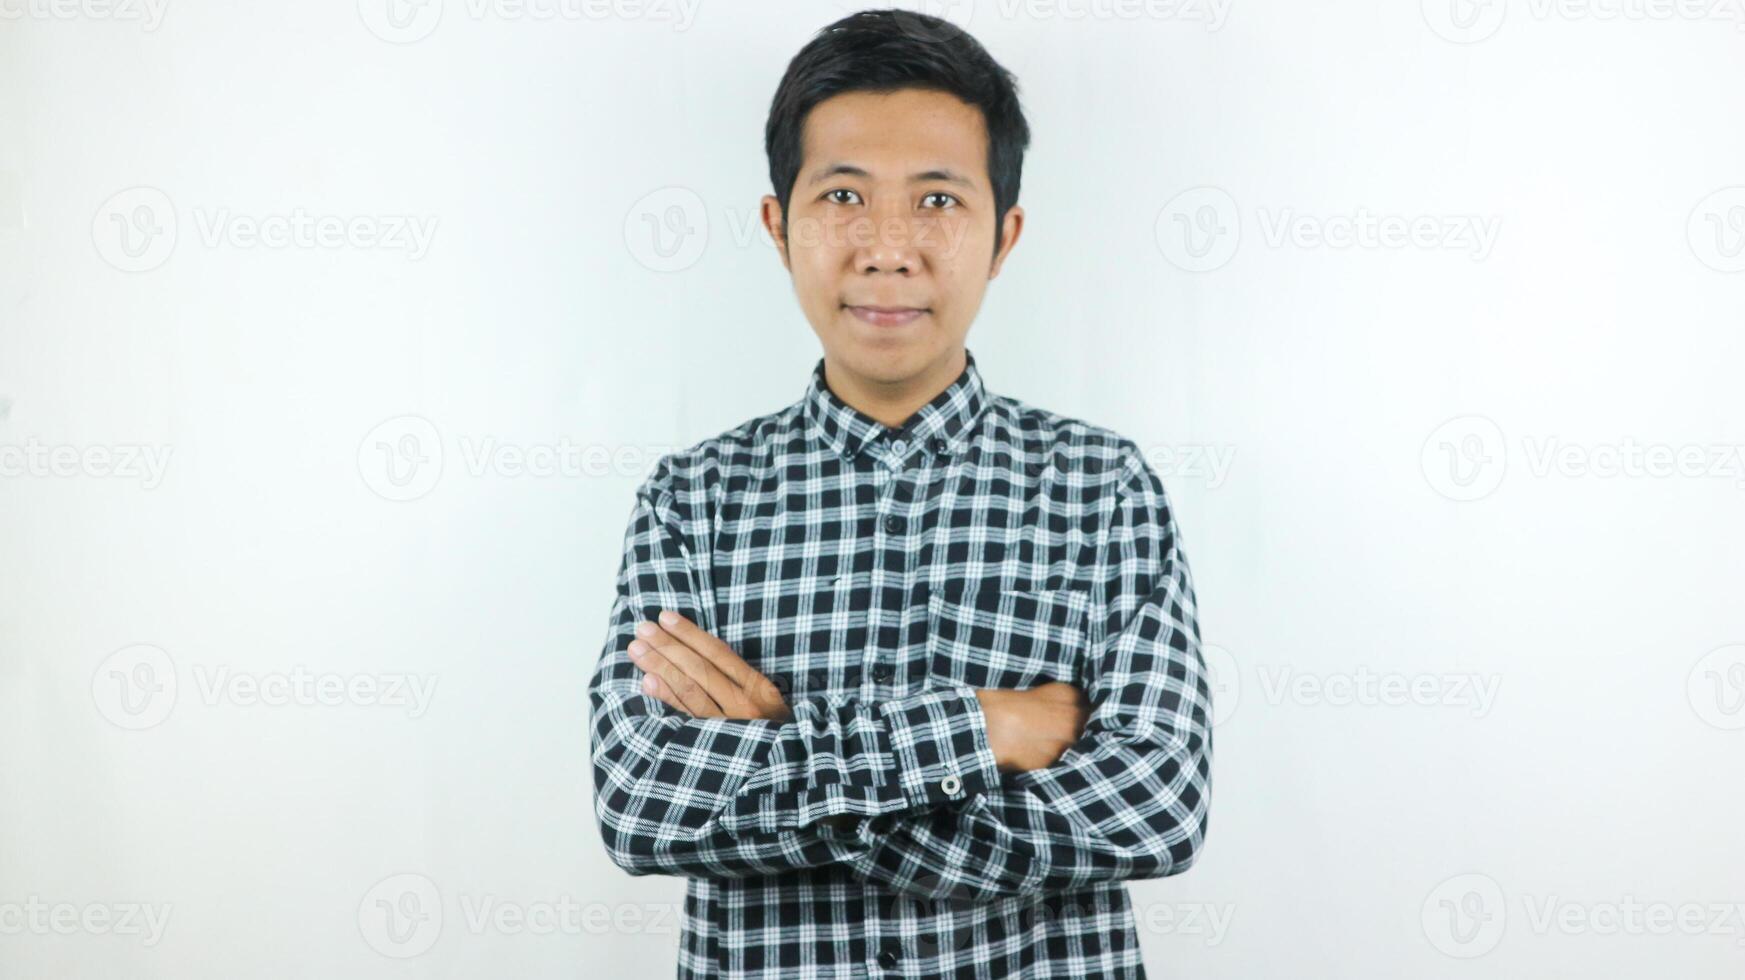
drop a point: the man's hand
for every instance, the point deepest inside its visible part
(1031, 729)
(692, 671)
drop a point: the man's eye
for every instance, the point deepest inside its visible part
(837, 196)
(945, 200)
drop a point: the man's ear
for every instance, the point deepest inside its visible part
(770, 210)
(1010, 228)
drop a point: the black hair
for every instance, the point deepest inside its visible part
(890, 50)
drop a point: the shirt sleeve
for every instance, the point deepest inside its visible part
(717, 797)
(1130, 800)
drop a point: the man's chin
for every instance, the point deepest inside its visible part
(886, 363)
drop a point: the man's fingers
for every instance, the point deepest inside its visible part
(690, 694)
(707, 644)
(652, 686)
(722, 688)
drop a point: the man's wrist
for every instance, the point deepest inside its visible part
(993, 708)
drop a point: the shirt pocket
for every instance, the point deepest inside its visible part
(1005, 638)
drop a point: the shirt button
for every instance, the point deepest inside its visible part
(937, 444)
(888, 959)
(881, 673)
(893, 524)
(898, 447)
(950, 785)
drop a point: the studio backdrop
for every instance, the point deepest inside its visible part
(335, 339)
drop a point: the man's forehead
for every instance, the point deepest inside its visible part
(903, 135)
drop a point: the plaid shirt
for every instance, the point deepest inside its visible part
(879, 576)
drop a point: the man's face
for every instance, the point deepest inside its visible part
(890, 237)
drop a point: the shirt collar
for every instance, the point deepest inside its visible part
(940, 425)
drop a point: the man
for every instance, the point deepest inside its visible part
(904, 678)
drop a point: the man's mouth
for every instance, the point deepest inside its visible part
(886, 316)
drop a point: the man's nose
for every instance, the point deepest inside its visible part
(890, 246)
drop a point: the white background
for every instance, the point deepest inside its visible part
(1365, 566)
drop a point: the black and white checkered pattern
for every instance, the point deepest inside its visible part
(879, 576)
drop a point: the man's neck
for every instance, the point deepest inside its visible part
(892, 404)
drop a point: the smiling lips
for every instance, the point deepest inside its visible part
(887, 316)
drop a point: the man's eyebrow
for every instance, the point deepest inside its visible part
(850, 170)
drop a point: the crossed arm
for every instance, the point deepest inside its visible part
(702, 769)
